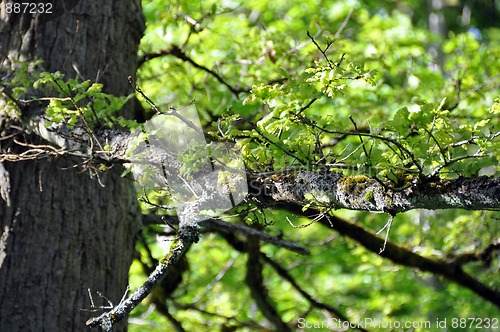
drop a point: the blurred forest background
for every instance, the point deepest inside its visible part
(248, 62)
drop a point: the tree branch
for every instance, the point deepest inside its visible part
(220, 226)
(334, 191)
(178, 53)
(122, 310)
(323, 188)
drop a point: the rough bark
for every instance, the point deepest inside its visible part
(63, 231)
(336, 191)
(62, 234)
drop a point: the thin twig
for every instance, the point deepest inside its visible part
(388, 226)
(265, 138)
(180, 54)
(323, 52)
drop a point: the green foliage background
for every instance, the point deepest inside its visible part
(386, 73)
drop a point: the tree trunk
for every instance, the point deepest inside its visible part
(65, 231)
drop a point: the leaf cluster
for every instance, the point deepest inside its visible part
(72, 101)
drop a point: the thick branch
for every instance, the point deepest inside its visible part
(324, 189)
(335, 191)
